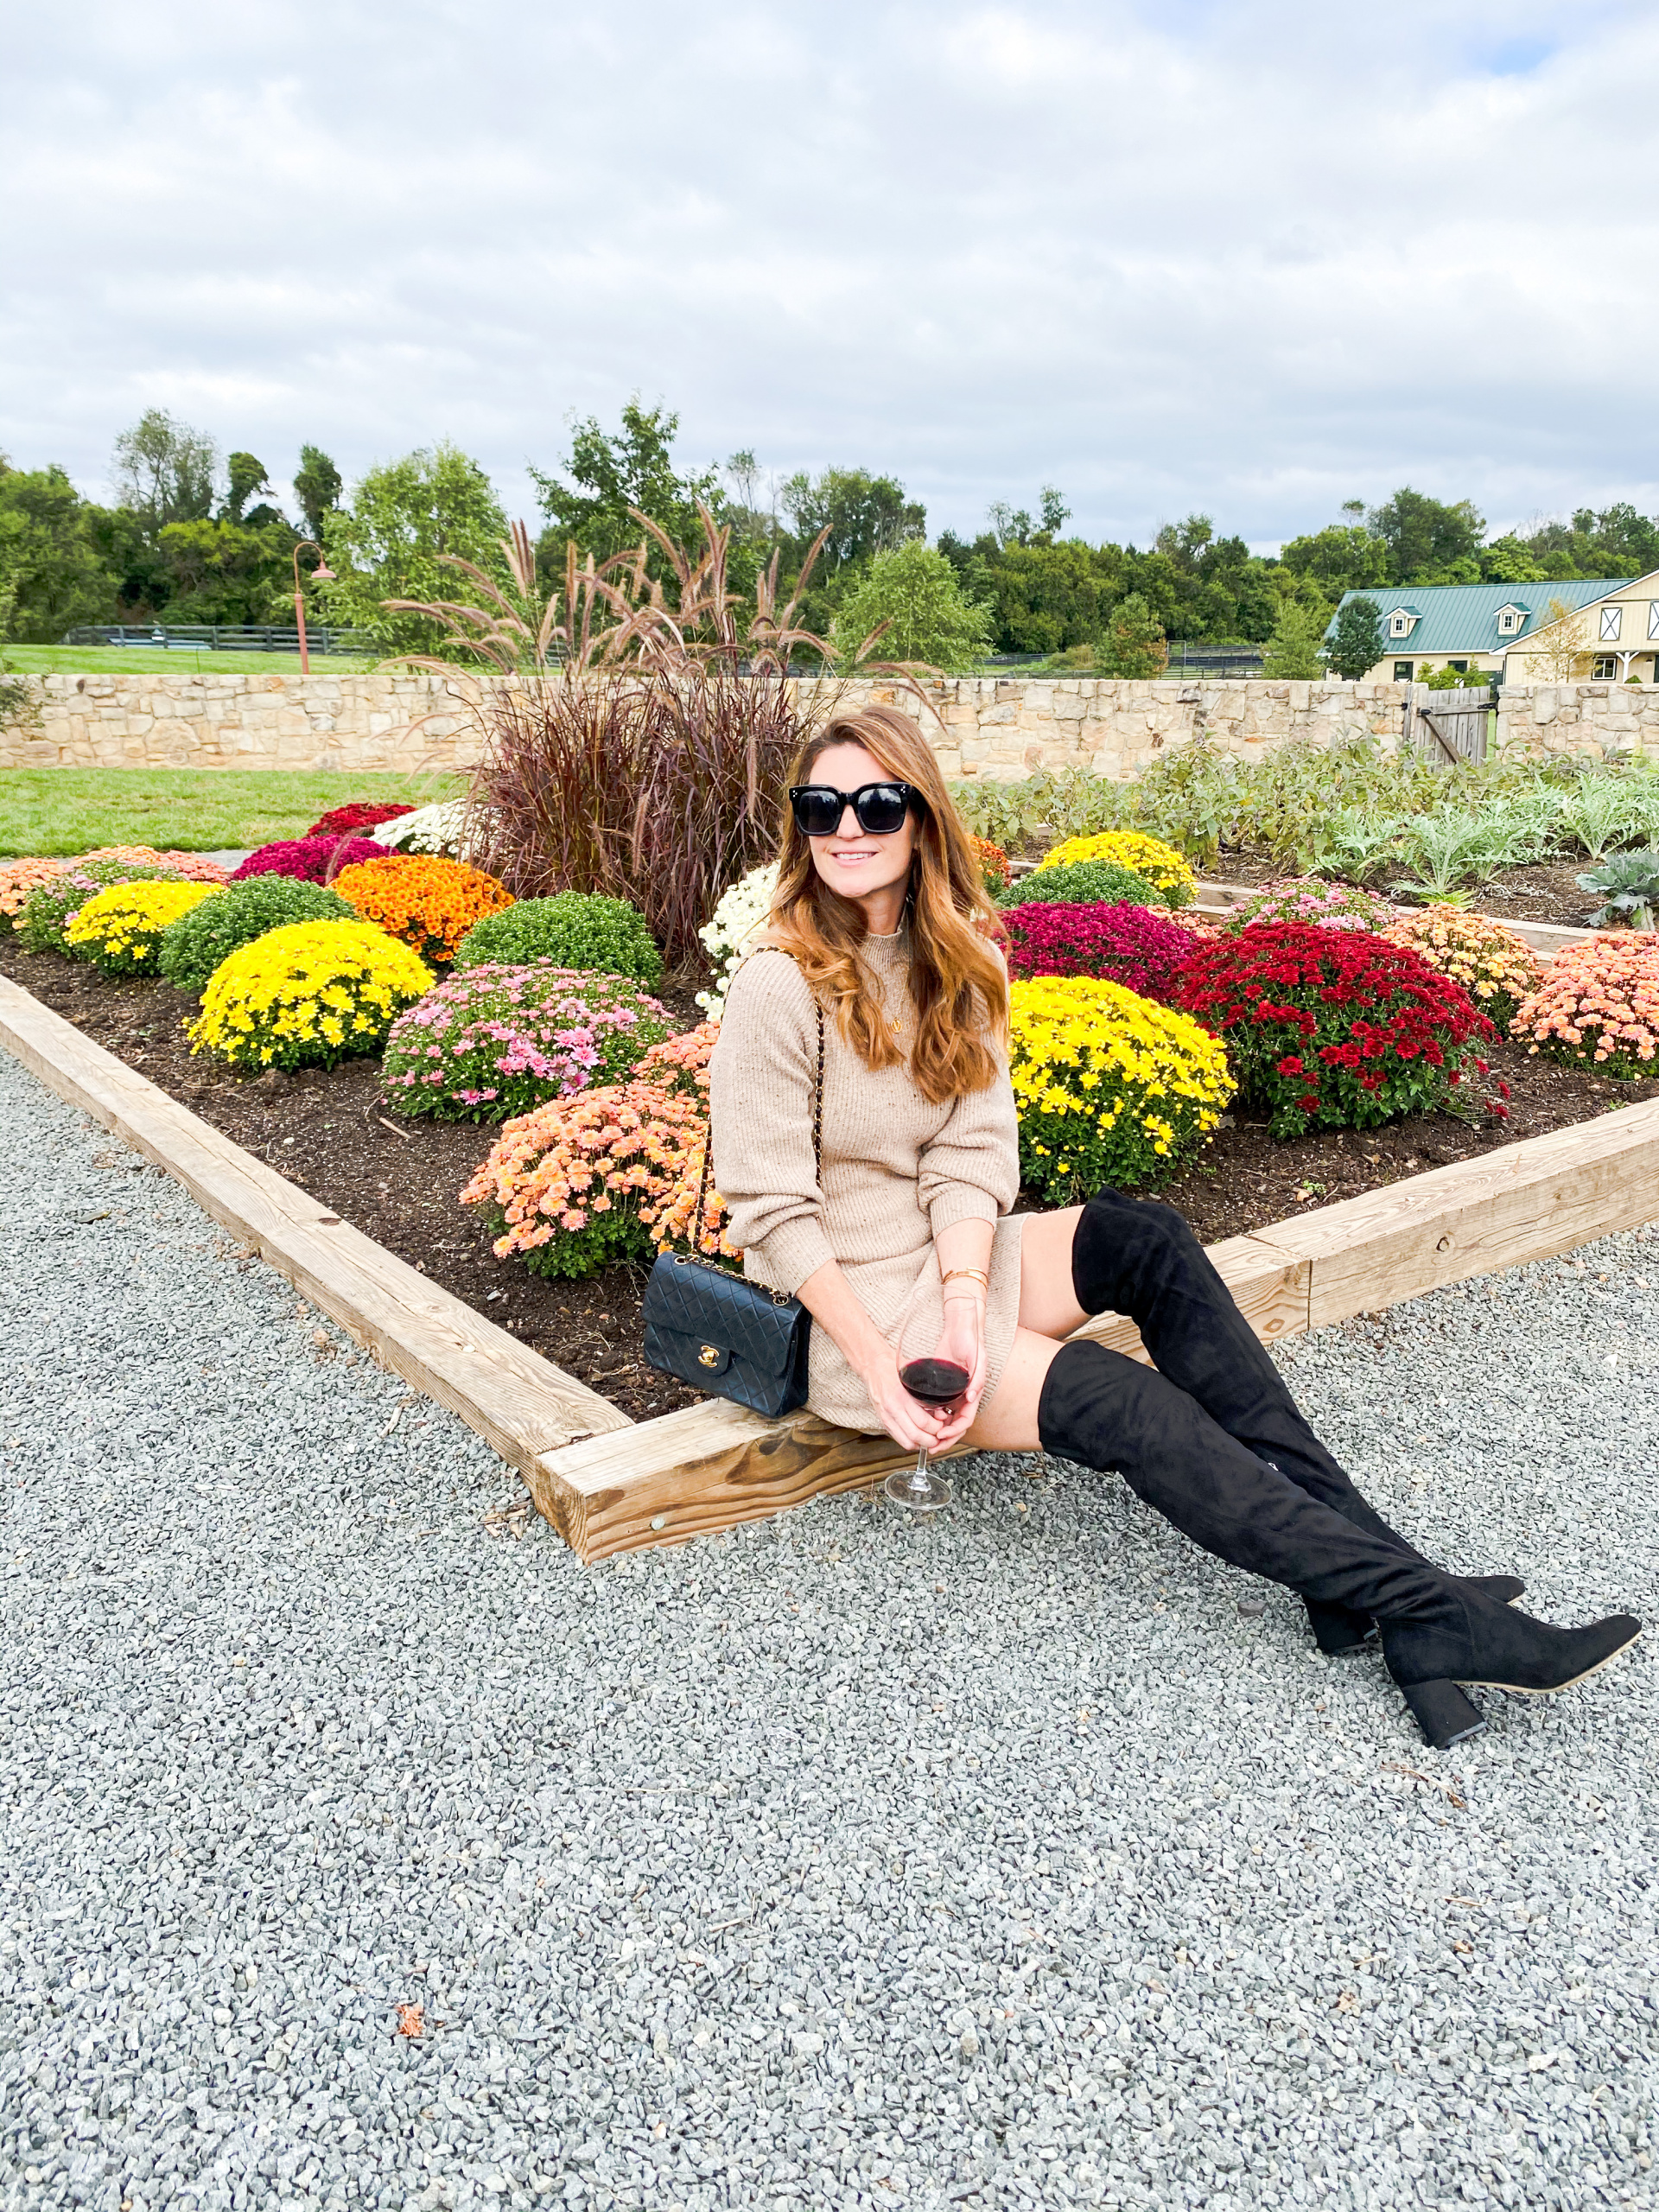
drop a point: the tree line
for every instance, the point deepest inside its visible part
(195, 537)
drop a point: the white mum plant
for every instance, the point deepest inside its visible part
(429, 829)
(738, 920)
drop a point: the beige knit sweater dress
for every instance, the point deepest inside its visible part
(897, 1169)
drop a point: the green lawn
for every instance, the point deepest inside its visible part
(100, 660)
(51, 812)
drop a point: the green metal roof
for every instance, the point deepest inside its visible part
(1463, 618)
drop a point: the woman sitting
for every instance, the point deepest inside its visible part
(904, 1206)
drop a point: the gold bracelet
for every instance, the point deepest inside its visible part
(969, 1275)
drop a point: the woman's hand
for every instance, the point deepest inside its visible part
(906, 1419)
(962, 1342)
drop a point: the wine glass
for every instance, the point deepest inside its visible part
(935, 1382)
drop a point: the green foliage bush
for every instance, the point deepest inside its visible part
(575, 929)
(194, 946)
(1084, 883)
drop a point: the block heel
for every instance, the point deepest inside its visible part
(1444, 1713)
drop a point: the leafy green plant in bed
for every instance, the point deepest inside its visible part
(1605, 810)
(198, 941)
(1083, 883)
(1453, 850)
(1628, 886)
(573, 929)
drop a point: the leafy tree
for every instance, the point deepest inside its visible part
(247, 475)
(1044, 597)
(1009, 525)
(1507, 561)
(221, 571)
(1134, 640)
(166, 472)
(914, 589)
(1339, 558)
(1293, 649)
(1183, 543)
(52, 573)
(317, 486)
(1617, 542)
(752, 523)
(1357, 642)
(385, 544)
(1053, 509)
(865, 515)
(1427, 541)
(609, 474)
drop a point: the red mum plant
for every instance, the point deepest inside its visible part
(313, 860)
(1123, 944)
(1333, 1029)
(358, 814)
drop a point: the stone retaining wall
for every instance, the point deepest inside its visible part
(1002, 728)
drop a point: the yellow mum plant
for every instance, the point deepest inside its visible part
(308, 995)
(120, 930)
(1497, 968)
(1160, 864)
(1111, 1087)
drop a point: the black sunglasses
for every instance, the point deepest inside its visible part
(879, 809)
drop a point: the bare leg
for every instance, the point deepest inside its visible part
(1008, 1423)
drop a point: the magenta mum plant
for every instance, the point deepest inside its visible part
(1122, 943)
(494, 1041)
(313, 860)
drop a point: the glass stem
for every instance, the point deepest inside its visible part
(918, 1480)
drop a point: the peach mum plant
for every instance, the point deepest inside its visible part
(612, 1174)
(1496, 967)
(1599, 1005)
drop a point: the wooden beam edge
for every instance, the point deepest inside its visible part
(520, 1403)
(622, 1485)
(713, 1465)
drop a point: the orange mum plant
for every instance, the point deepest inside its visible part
(427, 902)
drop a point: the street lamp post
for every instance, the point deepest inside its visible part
(322, 574)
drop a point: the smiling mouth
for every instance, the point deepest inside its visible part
(861, 853)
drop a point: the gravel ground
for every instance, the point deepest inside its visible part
(834, 1862)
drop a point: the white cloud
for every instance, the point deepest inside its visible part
(1256, 258)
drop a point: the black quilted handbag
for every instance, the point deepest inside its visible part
(722, 1333)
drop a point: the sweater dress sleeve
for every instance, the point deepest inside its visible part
(762, 1075)
(970, 1172)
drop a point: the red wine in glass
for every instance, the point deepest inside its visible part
(935, 1382)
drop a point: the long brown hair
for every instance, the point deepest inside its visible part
(957, 983)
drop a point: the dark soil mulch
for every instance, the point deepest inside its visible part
(1519, 894)
(334, 1134)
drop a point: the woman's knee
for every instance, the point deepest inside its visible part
(1145, 1227)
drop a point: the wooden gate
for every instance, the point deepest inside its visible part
(1449, 725)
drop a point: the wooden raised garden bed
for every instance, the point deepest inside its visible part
(611, 1484)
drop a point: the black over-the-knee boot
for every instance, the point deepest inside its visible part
(1135, 1256)
(1110, 1412)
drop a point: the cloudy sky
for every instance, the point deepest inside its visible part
(1250, 256)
